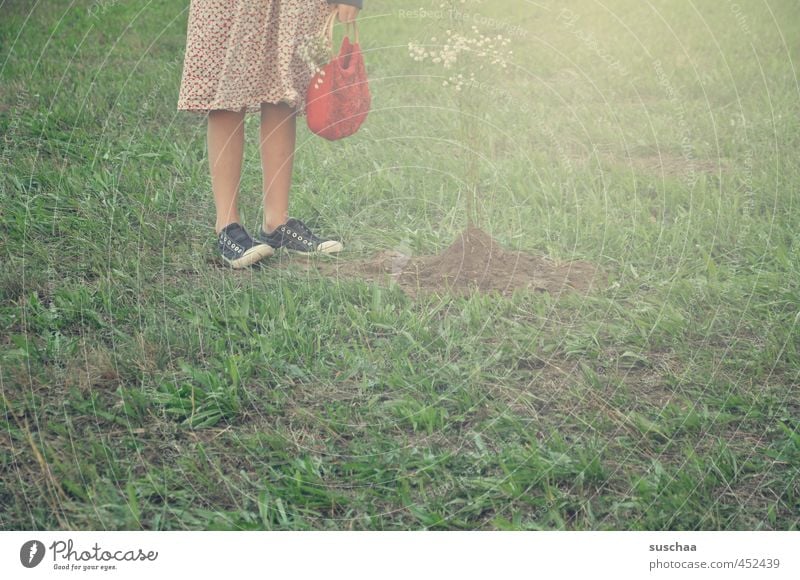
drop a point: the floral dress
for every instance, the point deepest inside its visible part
(240, 53)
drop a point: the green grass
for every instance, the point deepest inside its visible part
(144, 387)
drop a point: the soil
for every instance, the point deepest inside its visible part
(473, 262)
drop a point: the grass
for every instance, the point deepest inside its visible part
(144, 387)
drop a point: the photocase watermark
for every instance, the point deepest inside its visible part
(31, 553)
(741, 19)
(749, 197)
(687, 149)
(67, 557)
(100, 7)
(158, 89)
(568, 19)
(454, 14)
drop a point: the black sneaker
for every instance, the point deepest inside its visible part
(238, 249)
(296, 236)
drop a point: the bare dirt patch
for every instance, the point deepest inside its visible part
(477, 262)
(473, 262)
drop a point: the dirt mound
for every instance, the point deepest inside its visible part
(475, 262)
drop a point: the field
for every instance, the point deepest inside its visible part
(144, 386)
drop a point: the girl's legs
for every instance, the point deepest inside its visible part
(225, 152)
(278, 133)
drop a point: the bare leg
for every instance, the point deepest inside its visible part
(278, 134)
(225, 152)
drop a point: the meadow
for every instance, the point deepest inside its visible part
(144, 386)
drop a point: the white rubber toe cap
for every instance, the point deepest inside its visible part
(330, 247)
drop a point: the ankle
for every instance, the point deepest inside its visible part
(269, 228)
(222, 225)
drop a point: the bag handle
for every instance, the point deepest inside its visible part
(327, 29)
(355, 30)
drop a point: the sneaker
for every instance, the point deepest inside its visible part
(238, 249)
(296, 236)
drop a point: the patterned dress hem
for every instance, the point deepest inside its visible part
(249, 107)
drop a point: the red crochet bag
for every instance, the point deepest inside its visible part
(338, 98)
